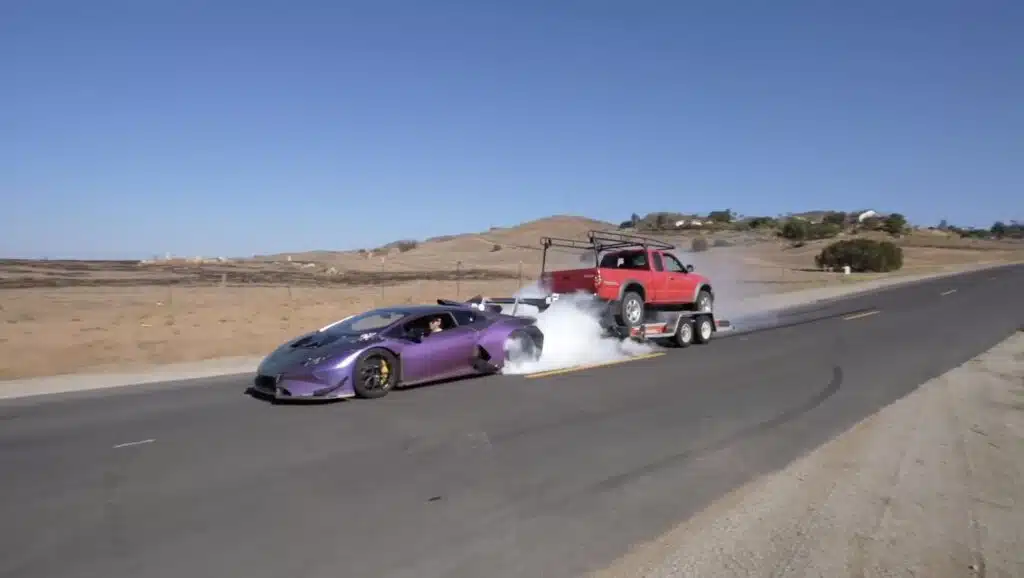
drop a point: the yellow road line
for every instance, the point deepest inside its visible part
(859, 315)
(589, 366)
(948, 292)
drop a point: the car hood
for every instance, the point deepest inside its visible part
(306, 352)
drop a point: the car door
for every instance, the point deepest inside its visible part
(438, 355)
(679, 284)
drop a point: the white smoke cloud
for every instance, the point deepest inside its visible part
(573, 335)
(571, 326)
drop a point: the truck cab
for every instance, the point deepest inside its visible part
(638, 276)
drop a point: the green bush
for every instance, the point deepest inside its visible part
(801, 230)
(861, 255)
(795, 230)
(699, 244)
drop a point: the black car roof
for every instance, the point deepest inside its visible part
(424, 309)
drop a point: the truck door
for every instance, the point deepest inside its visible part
(658, 290)
(679, 285)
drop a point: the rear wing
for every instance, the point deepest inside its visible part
(514, 306)
(599, 242)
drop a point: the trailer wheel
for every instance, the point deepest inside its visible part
(631, 309)
(705, 329)
(684, 335)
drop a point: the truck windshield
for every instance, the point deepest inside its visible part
(625, 260)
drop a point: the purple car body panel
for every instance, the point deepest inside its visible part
(321, 364)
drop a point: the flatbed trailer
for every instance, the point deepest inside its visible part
(673, 329)
(669, 328)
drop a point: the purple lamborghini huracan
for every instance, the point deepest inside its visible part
(369, 354)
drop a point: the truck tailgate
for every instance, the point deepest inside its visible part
(572, 280)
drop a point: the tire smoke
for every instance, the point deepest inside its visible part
(573, 335)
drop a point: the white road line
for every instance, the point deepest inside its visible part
(951, 291)
(860, 315)
(138, 443)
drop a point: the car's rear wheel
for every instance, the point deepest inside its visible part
(631, 309)
(523, 346)
(376, 373)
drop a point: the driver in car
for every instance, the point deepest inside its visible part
(435, 326)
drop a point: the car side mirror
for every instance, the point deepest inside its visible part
(689, 268)
(416, 334)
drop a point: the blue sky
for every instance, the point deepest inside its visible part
(133, 128)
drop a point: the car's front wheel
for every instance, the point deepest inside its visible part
(376, 373)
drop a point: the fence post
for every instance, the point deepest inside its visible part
(458, 279)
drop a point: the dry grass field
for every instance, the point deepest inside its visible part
(68, 316)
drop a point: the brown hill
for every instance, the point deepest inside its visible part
(496, 248)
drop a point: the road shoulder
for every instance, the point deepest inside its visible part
(930, 486)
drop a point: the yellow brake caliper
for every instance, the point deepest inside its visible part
(385, 370)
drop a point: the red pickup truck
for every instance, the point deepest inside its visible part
(636, 275)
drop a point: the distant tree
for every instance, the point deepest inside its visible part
(634, 219)
(943, 225)
(661, 221)
(406, 245)
(894, 224)
(998, 229)
(761, 222)
(725, 216)
(871, 224)
(795, 230)
(823, 230)
(835, 218)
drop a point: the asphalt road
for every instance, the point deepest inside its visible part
(493, 477)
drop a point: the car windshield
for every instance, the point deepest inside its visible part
(366, 322)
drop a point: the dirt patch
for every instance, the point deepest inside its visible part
(929, 486)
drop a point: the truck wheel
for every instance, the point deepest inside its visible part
(631, 309)
(705, 329)
(684, 335)
(704, 302)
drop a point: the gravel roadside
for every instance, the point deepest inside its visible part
(930, 486)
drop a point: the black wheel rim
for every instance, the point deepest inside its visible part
(375, 374)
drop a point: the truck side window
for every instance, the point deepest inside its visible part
(658, 266)
(637, 261)
(673, 264)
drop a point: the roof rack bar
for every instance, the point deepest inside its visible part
(565, 243)
(609, 239)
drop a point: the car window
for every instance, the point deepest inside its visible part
(370, 321)
(423, 322)
(464, 317)
(672, 264)
(658, 266)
